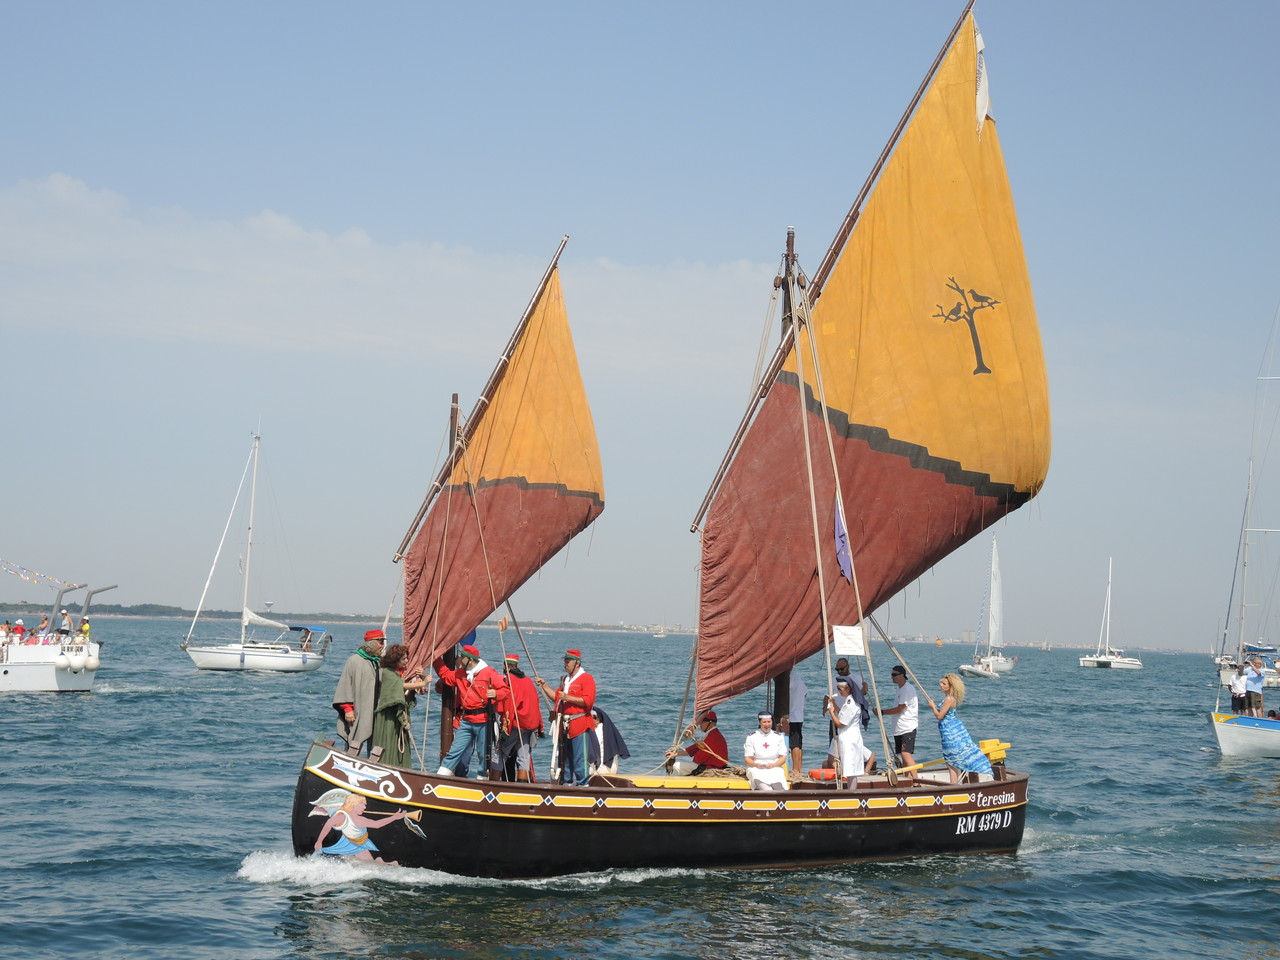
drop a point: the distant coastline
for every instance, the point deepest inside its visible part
(152, 611)
(156, 612)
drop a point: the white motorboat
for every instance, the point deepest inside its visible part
(58, 660)
(67, 665)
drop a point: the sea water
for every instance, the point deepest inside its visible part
(150, 819)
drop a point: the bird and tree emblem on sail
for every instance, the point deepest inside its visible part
(968, 305)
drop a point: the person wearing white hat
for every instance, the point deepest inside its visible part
(68, 625)
(765, 756)
(846, 714)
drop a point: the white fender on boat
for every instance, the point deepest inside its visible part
(61, 662)
(77, 662)
(92, 663)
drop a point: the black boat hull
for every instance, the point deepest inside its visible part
(492, 829)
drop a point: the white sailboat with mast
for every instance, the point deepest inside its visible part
(992, 663)
(1249, 734)
(1243, 735)
(1107, 656)
(292, 649)
(1225, 662)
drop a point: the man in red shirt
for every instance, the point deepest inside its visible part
(574, 699)
(709, 751)
(517, 746)
(479, 693)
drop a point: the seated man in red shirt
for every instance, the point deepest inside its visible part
(708, 751)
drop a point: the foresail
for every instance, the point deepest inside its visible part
(936, 401)
(529, 480)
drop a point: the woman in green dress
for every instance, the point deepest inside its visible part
(395, 699)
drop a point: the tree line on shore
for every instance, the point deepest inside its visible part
(10, 610)
(161, 611)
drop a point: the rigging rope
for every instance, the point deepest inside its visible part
(217, 553)
(802, 318)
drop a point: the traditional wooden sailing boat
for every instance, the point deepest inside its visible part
(915, 422)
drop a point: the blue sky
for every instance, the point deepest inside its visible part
(328, 216)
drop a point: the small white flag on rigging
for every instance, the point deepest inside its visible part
(983, 91)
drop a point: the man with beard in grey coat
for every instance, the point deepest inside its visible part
(357, 693)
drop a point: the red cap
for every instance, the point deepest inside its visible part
(574, 655)
(375, 635)
(512, 658)
(471, 651)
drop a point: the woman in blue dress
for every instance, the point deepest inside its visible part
(958, 748)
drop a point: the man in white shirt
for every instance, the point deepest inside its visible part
(796, 733)
(1239, 702)
(906, 716)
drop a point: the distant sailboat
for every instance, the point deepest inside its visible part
(992, 663)
(1106, 655)
(292, 649)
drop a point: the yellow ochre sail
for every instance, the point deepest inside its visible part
(927, 327)
(525, 481)
(936, 400)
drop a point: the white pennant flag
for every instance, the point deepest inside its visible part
(984, 93)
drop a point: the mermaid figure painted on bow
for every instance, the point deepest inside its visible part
(345, 811)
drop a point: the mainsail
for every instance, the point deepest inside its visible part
(995, 605)
(936, 399)
(523, 479)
